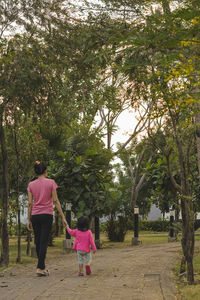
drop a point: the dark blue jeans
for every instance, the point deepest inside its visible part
(41, 226)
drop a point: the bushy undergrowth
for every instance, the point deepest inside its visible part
(156, 226)
(116, 229)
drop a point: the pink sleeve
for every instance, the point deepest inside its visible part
(54, 186)
(72, 232)
(92, 242)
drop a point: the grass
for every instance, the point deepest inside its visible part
(52, 251)
(145, 236)
(190, 292)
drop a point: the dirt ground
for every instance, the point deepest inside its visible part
(134, 272)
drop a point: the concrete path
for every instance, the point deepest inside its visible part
(130, 273)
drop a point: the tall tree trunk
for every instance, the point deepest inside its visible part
(136, 182)
(197, 120)
(166, 6)
(28, 247)
(186, 205)
(188, 236)
(61, 227)
(56, 224)
(18, 260)
(187, 217)
(4, 230)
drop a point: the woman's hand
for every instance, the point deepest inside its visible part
(29, 225)
(65, 224)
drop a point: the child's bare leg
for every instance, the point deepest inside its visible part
(89, 262)
(81, 268)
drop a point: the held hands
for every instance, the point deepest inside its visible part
(94, 251)
(65, 224)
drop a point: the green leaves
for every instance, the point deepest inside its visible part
(159, 161)
(82, 172)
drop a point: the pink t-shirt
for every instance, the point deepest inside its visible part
(42, 189)
(83, 240)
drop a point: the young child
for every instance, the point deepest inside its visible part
(83, 243)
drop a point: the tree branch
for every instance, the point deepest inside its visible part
(173, 181)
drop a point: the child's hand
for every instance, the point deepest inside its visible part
(94, 251)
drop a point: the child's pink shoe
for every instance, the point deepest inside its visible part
(80, 274)
(88, 270)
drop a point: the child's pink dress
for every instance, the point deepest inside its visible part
(83, 240)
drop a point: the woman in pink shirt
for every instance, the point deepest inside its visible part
(83, 243)
(41, 195)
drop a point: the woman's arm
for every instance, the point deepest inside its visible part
(30, 204)
(58, 207)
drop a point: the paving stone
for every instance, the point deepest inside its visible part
(133, 273)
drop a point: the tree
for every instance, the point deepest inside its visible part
(22, 82)
(154, 64)
(135, 159)
(82, 172)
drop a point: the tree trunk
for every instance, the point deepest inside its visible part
(134, 196)
(183, 265)
(61, 227)
(4, 261)
(187, 219)
(56, 224)
(188, 236)
(166, 7)
(197, 120)
(186, 203)
(18, 260)
(28, 247)
(96, 228)
(92, 224)
(190, 270)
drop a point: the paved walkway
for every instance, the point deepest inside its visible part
(130, 273)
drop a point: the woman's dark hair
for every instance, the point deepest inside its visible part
(39, 167)
(83, 223)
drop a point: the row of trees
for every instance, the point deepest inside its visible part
(68, 72)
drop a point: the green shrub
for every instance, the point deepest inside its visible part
(144, 225)
(156, 226)
(116, 229)
(73, 224)
(112, 227)
(24, 229)
(13, 230)
(103, 226)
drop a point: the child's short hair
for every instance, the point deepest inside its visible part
(83, 223)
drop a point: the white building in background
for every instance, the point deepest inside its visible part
(154, 213)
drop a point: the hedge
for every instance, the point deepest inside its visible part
(155, 226)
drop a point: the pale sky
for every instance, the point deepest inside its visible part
(126, 125)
